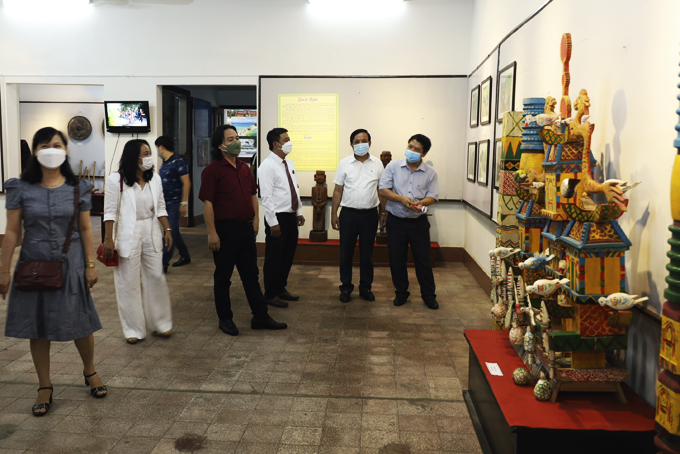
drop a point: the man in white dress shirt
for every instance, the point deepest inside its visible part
(282, 216)
(356, 190)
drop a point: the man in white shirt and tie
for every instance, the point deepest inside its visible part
(282, 216)
(356, 190)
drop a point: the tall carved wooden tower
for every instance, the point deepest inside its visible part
(668, 386)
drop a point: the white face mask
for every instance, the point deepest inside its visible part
(287, 147)
(51, 158)
(361, 149)
(147, 163)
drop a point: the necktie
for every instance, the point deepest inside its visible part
(293, 192)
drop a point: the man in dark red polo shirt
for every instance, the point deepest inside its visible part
(230, 208)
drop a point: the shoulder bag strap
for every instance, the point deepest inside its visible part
(73, 222)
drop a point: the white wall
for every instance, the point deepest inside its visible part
(55, 105)
(288, 37)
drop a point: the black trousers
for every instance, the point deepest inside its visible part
(364, 225)
(401, 233)
(237, 247)
(278, 254)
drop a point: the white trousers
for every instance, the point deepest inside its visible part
(142, 271)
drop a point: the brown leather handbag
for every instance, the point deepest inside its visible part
(45, 275)
(112, 261)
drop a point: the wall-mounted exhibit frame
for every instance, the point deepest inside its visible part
(498, 149)
(483, 163)
(472, 161)
(485, 102)
(474, 107)
(505, 83)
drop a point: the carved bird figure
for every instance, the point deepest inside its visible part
(620, 301)
(536, 262)
(622, 185)
(546, 287)
(504, 252)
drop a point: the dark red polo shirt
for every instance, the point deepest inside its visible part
(230, 190)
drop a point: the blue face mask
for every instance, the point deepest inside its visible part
(361, 149)
(412, 156)
(160, 155)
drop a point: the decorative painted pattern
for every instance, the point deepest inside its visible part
(598, 375)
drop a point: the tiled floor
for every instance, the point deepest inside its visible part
(361, 377)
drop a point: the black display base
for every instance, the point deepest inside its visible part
(497, 437)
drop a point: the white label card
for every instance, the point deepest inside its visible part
(494, 369)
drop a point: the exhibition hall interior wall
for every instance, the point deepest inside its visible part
(424, 37)
(625, 54)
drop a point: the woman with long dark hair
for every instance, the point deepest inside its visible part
(138, 217)
(43, 200)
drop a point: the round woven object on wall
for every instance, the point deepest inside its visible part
(79, 128)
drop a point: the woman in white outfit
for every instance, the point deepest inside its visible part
(139, 237)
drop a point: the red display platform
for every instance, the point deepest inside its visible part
(328, 253)
(513, 420)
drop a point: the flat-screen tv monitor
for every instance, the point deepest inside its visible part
(127, 116)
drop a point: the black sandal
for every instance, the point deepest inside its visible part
(96, 389)
(43, 405)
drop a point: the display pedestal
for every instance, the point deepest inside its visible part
(318, 236)
(381, 238)
(328, 253)
(508, 419)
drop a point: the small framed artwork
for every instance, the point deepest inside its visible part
(497, 163)
(483, 163)
(505, 101)
(472, 161)
(203, 152)
(474, 107)
(485, 102)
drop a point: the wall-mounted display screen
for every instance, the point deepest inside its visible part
(127, 116)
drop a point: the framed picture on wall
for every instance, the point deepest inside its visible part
(474, 107)
(203, 152)
(471, 161)
(497, 163)
(505, 101)
(485, 102)
(483, 163)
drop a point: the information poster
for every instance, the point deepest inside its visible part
(312, 124)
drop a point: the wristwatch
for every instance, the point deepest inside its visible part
(183, 204)
(168, 230)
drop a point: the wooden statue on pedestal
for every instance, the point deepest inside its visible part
(381, 236)
(319, 234)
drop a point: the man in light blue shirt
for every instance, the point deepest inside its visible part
(410, 185)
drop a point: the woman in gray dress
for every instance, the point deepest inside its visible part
(43, 200)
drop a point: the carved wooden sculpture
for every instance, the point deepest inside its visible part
(668, 386)
(319, 234)
(577, 287)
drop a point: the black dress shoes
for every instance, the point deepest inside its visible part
(228, 327)
(165, 269)
(367, 295)
(432, 304)
(345, 296)
(181, 262)
(277, 302)
(286, 295)
(266, 322)
(400, 300)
